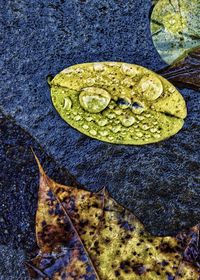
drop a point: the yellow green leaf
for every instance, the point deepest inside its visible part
(118, 102)
(89, 236)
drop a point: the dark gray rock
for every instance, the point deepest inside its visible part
(12, 264)
(160, 182)
(18, 199)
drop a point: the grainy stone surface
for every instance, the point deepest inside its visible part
(160, 182)
(12, 264)
(18, 200)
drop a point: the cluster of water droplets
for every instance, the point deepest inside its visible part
(101, 115)
(113, 121)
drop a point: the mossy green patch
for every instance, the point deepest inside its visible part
(118, 102)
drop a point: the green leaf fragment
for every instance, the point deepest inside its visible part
(175, 27)
(118, 102)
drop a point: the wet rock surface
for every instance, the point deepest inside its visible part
(12, 264)
(159, 182)
(18, 202)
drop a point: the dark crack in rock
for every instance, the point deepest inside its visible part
(160, 182)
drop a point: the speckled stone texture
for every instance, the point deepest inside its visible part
(159, 182)
(12, 264)
(18, 199)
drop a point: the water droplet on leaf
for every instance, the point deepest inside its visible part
(151, 87)
(137, 107)
(89, 119)
(129, 69)
(145, 127)
(139, 134)
(93, 132)
(103, 133)
(157, 136)
(118, 112)
(153, 130)
(111, 116)
(67, 103)
(124, 102)
(78, 118)
(127, 120)
(99, 67)
(94, 100)
(102, 122)
(85, 126)
(116, 129)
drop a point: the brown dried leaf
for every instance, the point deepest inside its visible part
(185, 71)
(89, 236)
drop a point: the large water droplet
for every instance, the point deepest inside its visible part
(94, 100)
(137, 107)
(124, 102)
(127, 120)
(151, 87)
(67, 103)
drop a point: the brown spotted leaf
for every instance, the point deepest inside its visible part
(62, 254)
(89, 236)
(185, 71)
